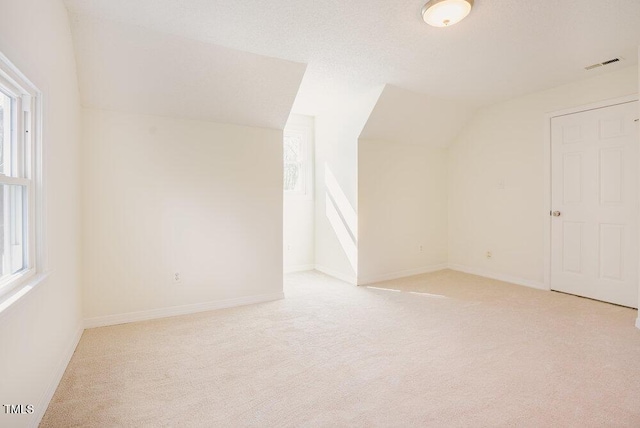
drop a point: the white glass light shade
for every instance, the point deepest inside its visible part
(445, 13)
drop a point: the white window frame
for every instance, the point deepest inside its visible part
(303, 127)
(27, 128)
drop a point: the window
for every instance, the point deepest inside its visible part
(294, 162)
(19, 179)
(298, 156)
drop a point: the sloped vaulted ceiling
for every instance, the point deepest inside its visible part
(505, 48)
(411, 118)
(138, 70)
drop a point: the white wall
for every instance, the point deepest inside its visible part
(496, 178)
(402, 206)
(336, 176)
(299, 209)
(402, 179)
(163, 195)
(39, 332)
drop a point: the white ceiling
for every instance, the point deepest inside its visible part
(503, 49)
(407, 117)
(132, 69)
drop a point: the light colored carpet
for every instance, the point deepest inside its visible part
(470, 352)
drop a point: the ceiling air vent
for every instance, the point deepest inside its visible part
(600, 64)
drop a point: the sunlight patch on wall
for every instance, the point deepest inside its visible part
(342, 217)
(342, 203)
(343, 235)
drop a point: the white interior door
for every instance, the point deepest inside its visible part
(594, 188)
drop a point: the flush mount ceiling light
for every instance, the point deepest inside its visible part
(445, 13)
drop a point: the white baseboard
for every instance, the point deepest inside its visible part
(402, 274)
(341, 276)
(41, 407)
(298, 268)
(178, 310)
(498, 276)
(638, 322)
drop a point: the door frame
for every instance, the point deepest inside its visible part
(547, 174)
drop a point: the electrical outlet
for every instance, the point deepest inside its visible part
(420, 248)
(489, 255)
(288, 247)
(177, 278)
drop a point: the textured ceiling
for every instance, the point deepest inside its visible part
(503, 49)
(133, 69)
(410, 118)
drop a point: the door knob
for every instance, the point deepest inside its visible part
(556, 213)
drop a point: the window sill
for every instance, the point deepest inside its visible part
(19, 294)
